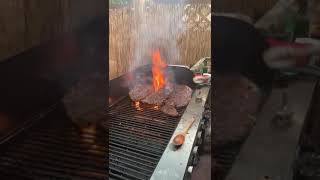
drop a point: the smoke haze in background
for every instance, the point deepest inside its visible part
(157, 27)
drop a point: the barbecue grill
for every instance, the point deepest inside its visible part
(41, 142)
(139, 138)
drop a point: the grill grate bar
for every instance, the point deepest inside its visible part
(54, 149)
(117, 177)
(126, 152)
(54, 146)
(224, 158)
(136, 143)
(137, 139)
(138, 129)
(157, 117)
(148, 136)
(141, 148)
(43, 159)
(145, 153)
(136, 161)
(64, 137)
(45, 170)
(140, 158)
(144, 139)
(130, 168)
(14, 173)
(67, 156)
(145, 125)
(120, 170)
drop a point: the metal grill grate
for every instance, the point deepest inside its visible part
(224, 157)
(137, 139)
(53, 149)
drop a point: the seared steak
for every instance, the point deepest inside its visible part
(139, 92)
(170, 97)
(236, 101)
(169, 109)
(156, 98)
(180, 96)
(84, 103)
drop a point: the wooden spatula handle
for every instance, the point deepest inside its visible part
(189, 124)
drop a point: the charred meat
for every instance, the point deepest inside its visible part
(169, 109)
(236, 102)
(83, 103)
(156, 98)
(140, 92)
(169, 98)
(181, 95)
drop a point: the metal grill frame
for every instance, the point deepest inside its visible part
(177, 163)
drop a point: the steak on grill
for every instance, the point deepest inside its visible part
(156, 98)
(169, 98)
(83, 103)
(236, 102)
(169, 109)
(139, 92)
(181, 95)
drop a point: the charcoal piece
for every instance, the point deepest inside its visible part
(236, 101)
(181, 95)
(139, 92)
(156, 98)
(169, 109)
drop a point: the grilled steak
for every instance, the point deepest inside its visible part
(156, 98)
(170, 97)
(139, 92)
(84, 103)
(236, 102)
(180, 96)
(169, 109)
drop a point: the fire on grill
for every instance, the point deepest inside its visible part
(161, 92)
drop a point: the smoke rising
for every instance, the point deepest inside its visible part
(158, 26)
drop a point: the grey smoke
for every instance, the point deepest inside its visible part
(158, 26)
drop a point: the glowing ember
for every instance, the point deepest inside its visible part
(157, 66)
(137, 106)
(156, 107)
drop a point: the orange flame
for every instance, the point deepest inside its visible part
(157, 65)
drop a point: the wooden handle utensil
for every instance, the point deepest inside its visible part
(180, 137)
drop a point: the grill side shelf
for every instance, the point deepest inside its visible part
(174, 162)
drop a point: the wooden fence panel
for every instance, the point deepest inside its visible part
(194, 44)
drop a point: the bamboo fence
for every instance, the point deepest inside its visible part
(194, 44)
